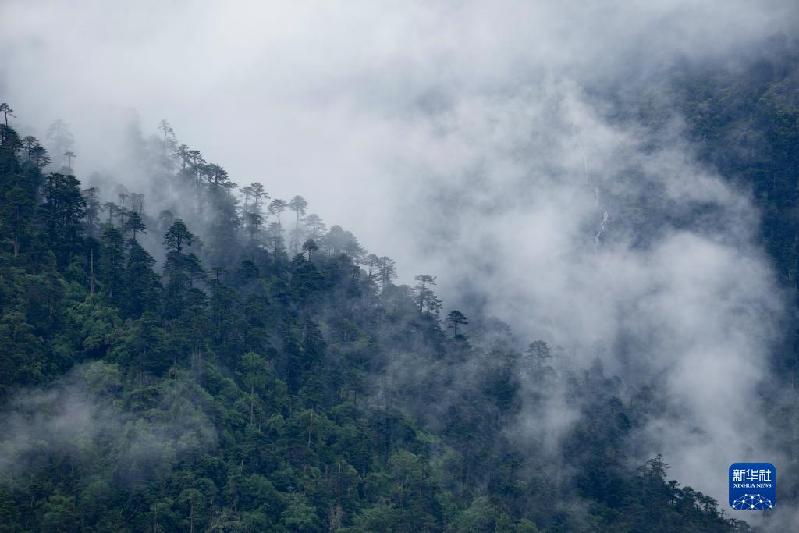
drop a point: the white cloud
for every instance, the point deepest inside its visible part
(457, 137)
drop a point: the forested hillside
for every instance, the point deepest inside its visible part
(743, 120)
(246, 380)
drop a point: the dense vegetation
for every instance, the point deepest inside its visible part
(743, 120)
(207, 366)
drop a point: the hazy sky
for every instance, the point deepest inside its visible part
(456, 137)
(338, 101)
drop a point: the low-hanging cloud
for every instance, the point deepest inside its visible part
(470, 140)
(573, 231)
(81, 418)
(318, 98)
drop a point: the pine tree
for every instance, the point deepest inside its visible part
(62, 212)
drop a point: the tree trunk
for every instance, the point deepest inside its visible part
(16, 232)
(191, 516)
(252, 402)
(91, 269)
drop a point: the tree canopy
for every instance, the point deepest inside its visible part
(198, 367)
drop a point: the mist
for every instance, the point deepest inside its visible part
(333, 101)
(475, 141)
(79, 419)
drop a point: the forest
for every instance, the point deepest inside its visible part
(200, 355)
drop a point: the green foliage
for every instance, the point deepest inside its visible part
(63, 209)
(259, 394)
